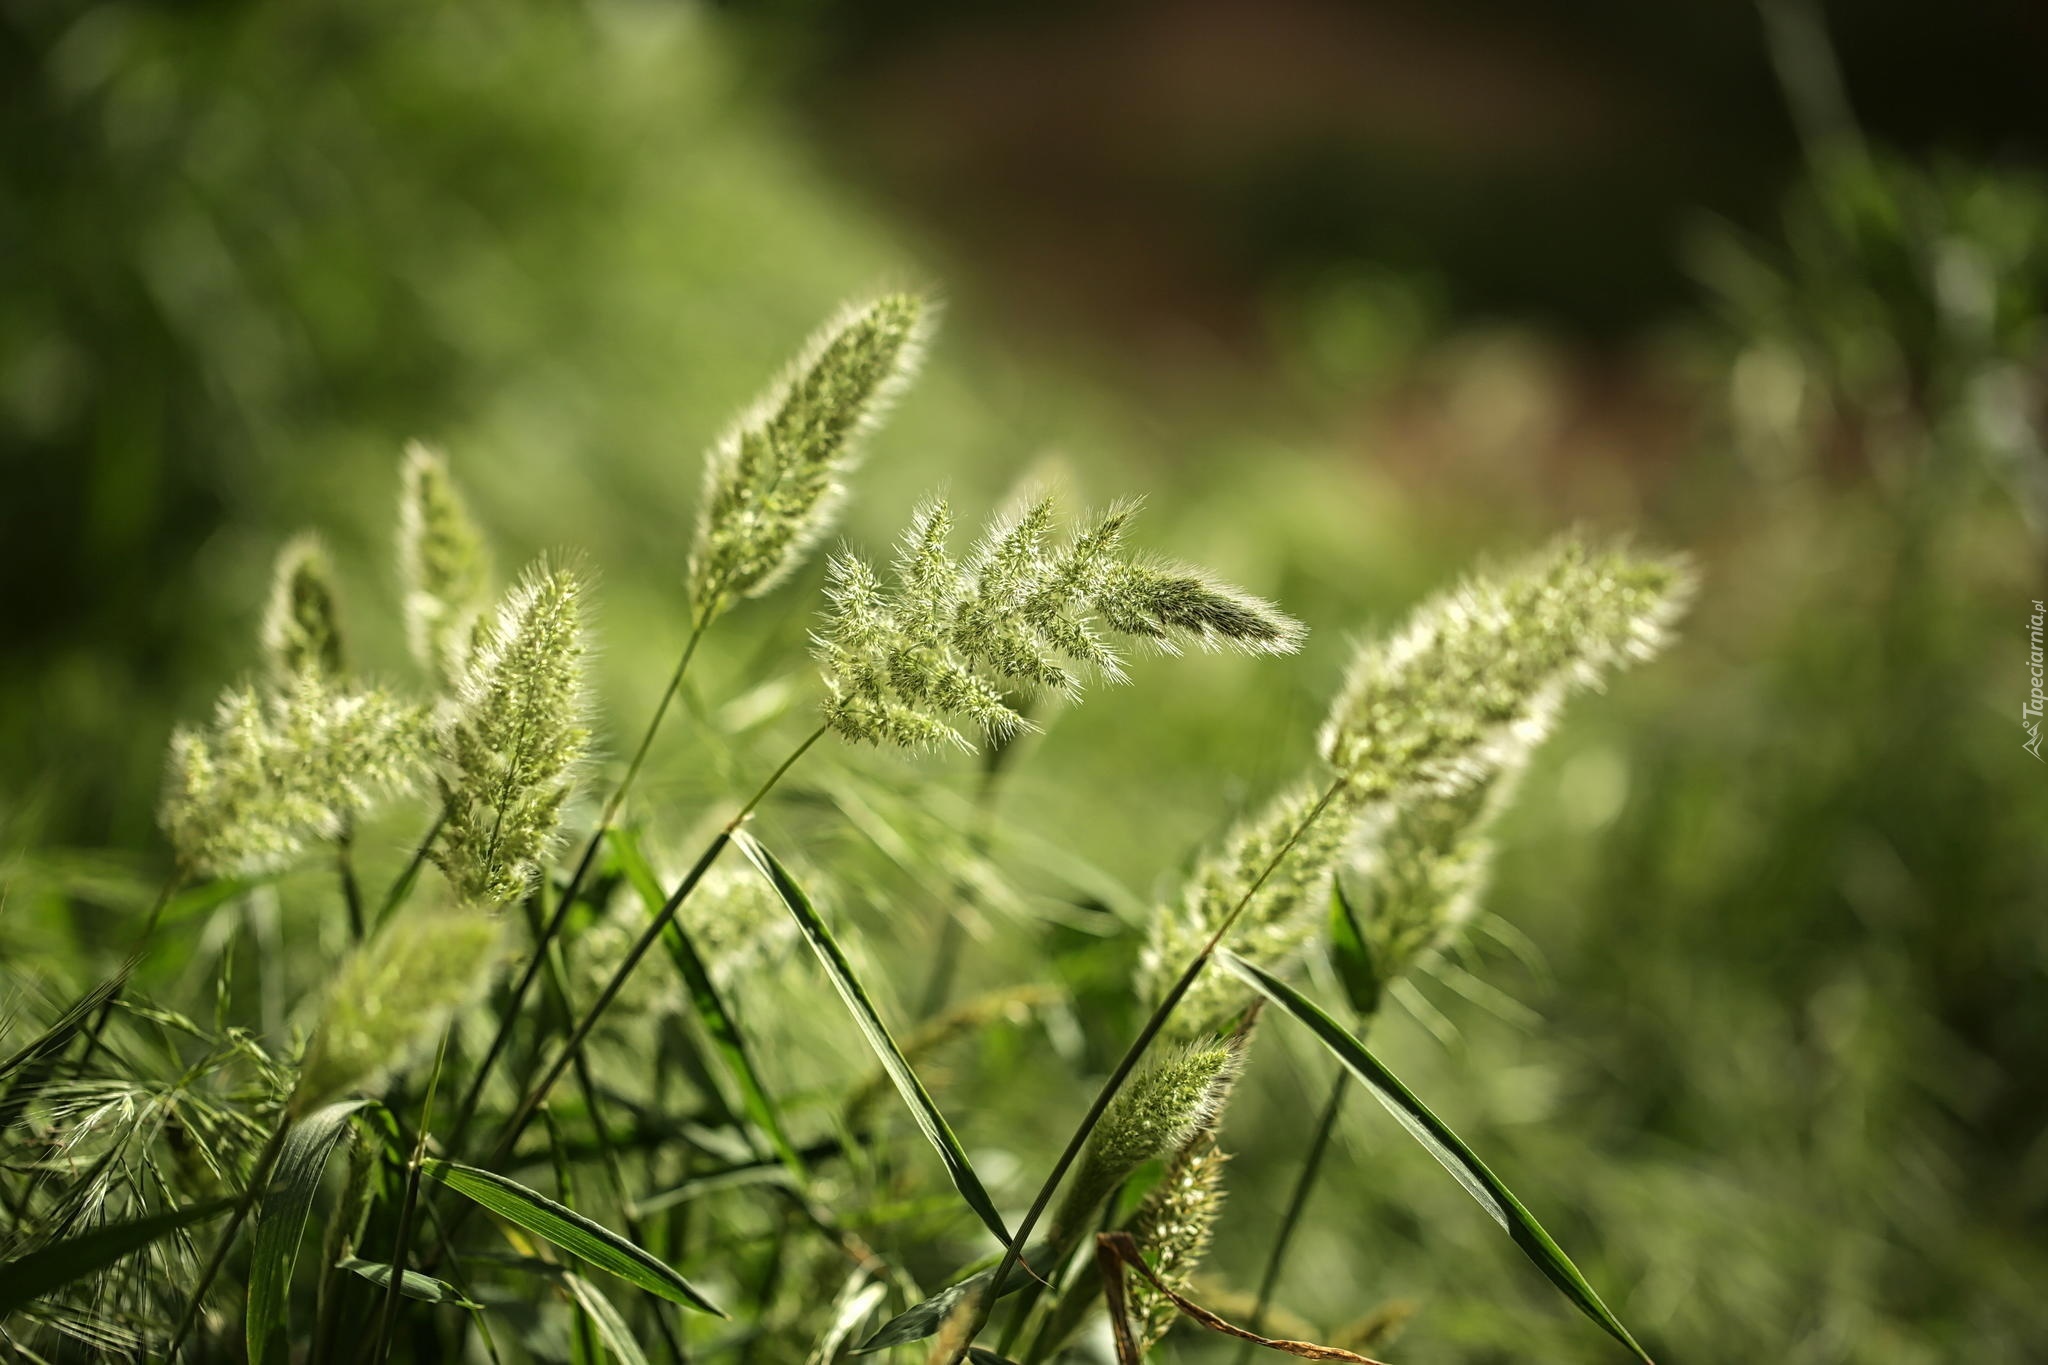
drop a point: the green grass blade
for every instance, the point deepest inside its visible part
(48, 1269)
(412, 1284)
(1357, 973)
(921, 1320)
(571, 1231)
(1443, 1144)
(898, 1067)
(28, 1070)
(604, 1316)
(282, 1223)
(718, 1022)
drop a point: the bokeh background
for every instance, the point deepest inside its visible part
(1358, 294)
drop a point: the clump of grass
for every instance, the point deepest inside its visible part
(677, 1096)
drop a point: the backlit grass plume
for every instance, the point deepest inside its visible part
(1173, 1227)
(275, 770)
(942, 641)
(301, 626)
(1482, 669)
(1162, 1108)
(774, 481)
(444, 565)
(391, 999)
(512, 740)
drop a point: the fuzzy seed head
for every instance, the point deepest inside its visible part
(1481, 670)
(301, 627)
(277, 769)
(1158, 1111)
(774, 481)
(1174, 1227)
(391, 999)
(944, 641)
(444, 566)
(513, 738)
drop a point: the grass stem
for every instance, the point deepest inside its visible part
(1297, 1203)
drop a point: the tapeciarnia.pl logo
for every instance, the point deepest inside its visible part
(2030, 714)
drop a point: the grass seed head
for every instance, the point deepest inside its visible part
(513, 738)
(391, 998)
(1158, 1111)
(1481, 670)
(945, 641)
(275, 770)
(444, 565)
(301, 626)
(1174, 1227)
(773, 483)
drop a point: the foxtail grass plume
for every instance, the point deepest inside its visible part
(301, 626)
(275, 770)
(774, 481)
(944, 641)
(1481, 670)
(391, 998)
(1174, 1227)
(511, 742)
(444, 566)
(1158, 1111)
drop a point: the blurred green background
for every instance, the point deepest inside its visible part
(1357, 294)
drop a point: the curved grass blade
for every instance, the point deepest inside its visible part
(604, 1316)
(1443, 1144)
(1357, 973)
(412, 1284)
(717, 1020)
(571, 1231)
(929, 1120)
(50, 1268)
(282, 1223)
(921, 1320)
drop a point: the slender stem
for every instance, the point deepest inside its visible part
(1297, 1204)
(508, 1015)
(528, 1106)
(401, 886)
(1124, 1067)
(403, 1241)
(258, 1177)
(351, 891)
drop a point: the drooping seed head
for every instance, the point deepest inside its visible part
(301, 626)
(947, 641)
(1482, 669)
(444, 565)
(513, 738)
(391, 998)
(773, 483)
